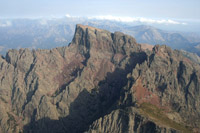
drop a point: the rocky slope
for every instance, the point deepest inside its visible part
(192, 56)
(101, 82)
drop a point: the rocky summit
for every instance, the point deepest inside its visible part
(101, 82)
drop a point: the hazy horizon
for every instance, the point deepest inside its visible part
(171, 9)
(173, 14)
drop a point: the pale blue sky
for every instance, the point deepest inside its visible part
(167, 9)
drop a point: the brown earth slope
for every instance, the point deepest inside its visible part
(101, 82)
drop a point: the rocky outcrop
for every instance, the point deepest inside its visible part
(126, 120)
(101, 82)
(192, 56)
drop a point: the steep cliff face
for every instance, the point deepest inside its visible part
(101, 82)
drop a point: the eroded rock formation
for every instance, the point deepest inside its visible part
(101, 82)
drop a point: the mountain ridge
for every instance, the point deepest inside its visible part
(98, 78)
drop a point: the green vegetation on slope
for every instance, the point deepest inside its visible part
(158, 116)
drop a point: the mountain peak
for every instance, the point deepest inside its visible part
(88, 38)
(84, 27)
(82, 32)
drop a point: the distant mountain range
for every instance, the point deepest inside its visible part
(152, 35)
(34, 34)
(47, 34)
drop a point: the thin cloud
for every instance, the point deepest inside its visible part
(5, 24)
(68, 16)
(43, 22)
(134, 19)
